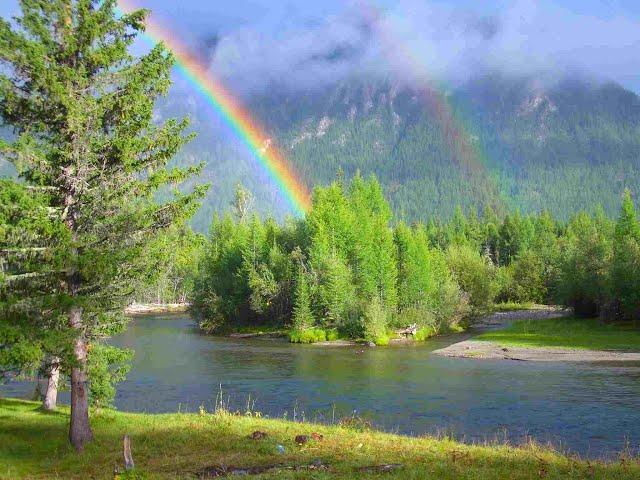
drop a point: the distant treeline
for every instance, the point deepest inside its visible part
(348, 270)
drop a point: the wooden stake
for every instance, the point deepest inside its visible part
(128, 458)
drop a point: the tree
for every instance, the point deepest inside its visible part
(476, 276)
(31, 337)
(625, 265)
(375, 264)
(584, 266)
(302, 313)
(82, 110)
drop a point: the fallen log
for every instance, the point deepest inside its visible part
(410, 330)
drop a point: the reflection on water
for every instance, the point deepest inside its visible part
(589, 409)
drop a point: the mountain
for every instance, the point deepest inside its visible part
(494, 141)
(510, 143)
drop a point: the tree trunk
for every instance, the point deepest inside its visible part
(46, 390)
(79, 429)
(50, 400)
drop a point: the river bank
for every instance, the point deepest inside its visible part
(549, 339)
(211, 445)
(155, 308)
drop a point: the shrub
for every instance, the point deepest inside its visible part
(332, 334)
(307, 335)
(476, 276)
(584, 266)
(425, 333)
(527, 279)
(375, 321)
(107, 366)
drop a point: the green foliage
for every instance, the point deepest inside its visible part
(307, 335)
(476, 276)
(81, 110)
(584, 265)
(345, 267)
(375, 320)
(428, 293)
(625, 265)
(302, 314)
(525, 279)
(425, 333)
(107, 366)
(177, 253)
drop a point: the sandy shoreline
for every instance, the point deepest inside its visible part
(480, 349)
(150, 308)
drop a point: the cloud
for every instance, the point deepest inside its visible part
(420, 41)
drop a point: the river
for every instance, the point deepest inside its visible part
(589, 409)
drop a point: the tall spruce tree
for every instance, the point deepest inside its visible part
(625, 264)
(302, 313)
(81, 108)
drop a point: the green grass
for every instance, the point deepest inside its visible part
(256, 329)
(313, 335)
(179, 446)
(585, 334)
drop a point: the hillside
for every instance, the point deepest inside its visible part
(503, 142)
(510, 143)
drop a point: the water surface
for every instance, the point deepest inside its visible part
(590, 409)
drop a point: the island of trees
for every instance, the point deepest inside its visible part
(347, 270)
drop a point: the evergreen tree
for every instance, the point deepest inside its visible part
(302, 313)
(374, 251)
(625, 268)
(32, 338)
(82, 110)
(584, 266)
(627, 224)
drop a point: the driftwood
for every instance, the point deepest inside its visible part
(128, 458)
(410, 330)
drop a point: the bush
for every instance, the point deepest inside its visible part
(307, 335)
(584, 266)
(425, 333)
(527, 279)
(375, 321)
(107, 366)
(421, 315)
(476, 275)
(332, 334)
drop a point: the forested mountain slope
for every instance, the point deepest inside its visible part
(509, 143)
(496, 140)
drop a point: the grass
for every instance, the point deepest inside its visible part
(312, 335)
(584, 334)
(256, 329)
(34, 445)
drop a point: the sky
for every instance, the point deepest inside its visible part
(252, 44)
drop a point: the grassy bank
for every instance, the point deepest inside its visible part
(34, 445)
(587, 334)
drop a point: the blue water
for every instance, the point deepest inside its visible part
(589, 409)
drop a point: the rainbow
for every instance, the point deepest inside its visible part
(468, 155)
(233, 113)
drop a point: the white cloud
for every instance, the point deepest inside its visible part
(422, 41)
